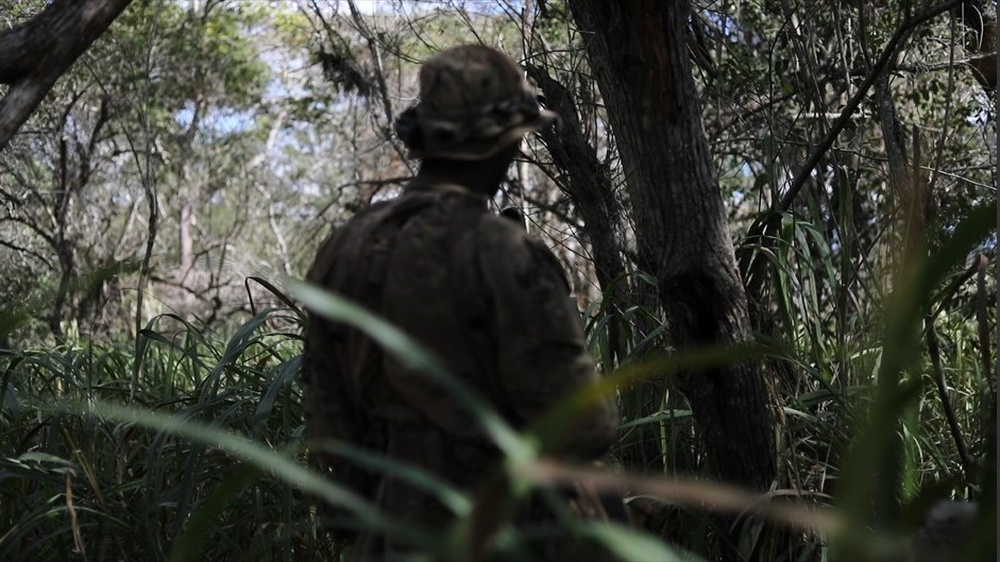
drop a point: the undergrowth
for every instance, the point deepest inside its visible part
(206, 461)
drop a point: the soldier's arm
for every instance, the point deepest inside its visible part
(327, 414)
(540, 346)
(330, 411)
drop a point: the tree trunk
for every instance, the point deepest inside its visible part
(588, 183)
(638, 54)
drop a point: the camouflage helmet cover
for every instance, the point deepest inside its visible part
(473, 103)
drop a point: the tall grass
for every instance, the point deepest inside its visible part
(79, 484)
(207, 462)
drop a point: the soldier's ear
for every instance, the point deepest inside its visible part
(408, 129)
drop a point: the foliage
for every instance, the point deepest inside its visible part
(215, 119)
(206, 465)
(130, 489)
(212, 472)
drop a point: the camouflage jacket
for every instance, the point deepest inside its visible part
(479, 293)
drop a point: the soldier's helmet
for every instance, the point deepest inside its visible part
(473, 103)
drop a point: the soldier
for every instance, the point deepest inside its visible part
(471, 287)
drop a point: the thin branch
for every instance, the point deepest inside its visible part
(934, 350)
(26, 251)
(888, 54)
(939, 149)
(32, 226)
(710, 496)
(399, 180)
(144, 162)
(383, 89)
(983, 319)
(983, 25)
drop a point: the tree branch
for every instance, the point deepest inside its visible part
(983, 24)
(888, 54)
(26, 251)
(35, 54)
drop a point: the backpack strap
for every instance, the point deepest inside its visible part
(472, 310)
(382, 241)
(358, 271)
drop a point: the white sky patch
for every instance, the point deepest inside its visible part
(369, 7)
(364, 6)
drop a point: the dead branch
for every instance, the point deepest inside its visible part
(36, 53)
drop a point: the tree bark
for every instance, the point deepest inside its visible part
(588, 183)
(638, 54)
(35, 54)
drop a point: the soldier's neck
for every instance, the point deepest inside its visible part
(482, 177)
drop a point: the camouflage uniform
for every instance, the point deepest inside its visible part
(471, 287)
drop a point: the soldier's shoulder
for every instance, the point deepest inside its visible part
(347, 235)
(504, 245)
(502, 234)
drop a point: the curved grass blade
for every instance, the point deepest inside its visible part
(551, 427)
(460, 505)
(901, 348)
(268, 460)
(414, 356)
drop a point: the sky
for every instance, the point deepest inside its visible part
(373, 6)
